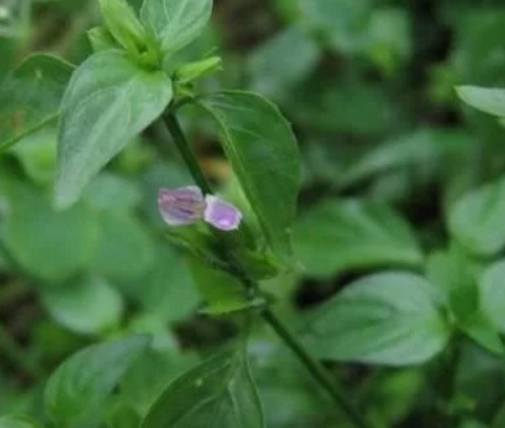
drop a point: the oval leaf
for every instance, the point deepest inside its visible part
(87, 306)
(492, 294)
(17, 422)
(52, 246)
(476, 220)
(81, 384)
(31, 96)
(176, 23)
(263, 152)
(347, 235)
(390, 318)
(220, 393)
(108, 102)
(489, 100)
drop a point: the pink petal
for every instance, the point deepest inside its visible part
(221, 214)
(182, 206)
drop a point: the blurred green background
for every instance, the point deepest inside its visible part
(369, 88)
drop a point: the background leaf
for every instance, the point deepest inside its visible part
(219, 393)
(85, 306)
(392, 318)
(489, 100)
(345, 235)
(31, 96)
(476, 220)
(50, 245)
(17, 422)
(108, 102)
(79, 387)
(264, 155)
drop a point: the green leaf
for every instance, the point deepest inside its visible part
(37, 154)
(169, 291)
(124, 25)
(125, 250)
(31, 96)
(79, 387)
(17, 422)
(145, 382)
(52, 246)
(476, 220)
(489, 100)
(391, 318)
(101, 39)
(175, 23)
(222, 292)
(345, 235)
(108, 102)
(220, 393)
(263, 152)
(283, 61)
(85, 306)
(492, 294)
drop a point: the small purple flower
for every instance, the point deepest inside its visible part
(187, 205)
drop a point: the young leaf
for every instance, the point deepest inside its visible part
(347, 235)
(489, 100)
(175, 23)
(108, 102)
(17, 422)
(263, 152)
(476, 220)
(217, 394)
(124, 25)
(392, 318)
(31, 96)
(81, 384)
(85, 306)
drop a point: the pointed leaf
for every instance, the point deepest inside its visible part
(79, 387)
(176, 23)
(220, 393)
(108, 102)
(489, 100)
(263, 152)
(392, 318)
(31, 96)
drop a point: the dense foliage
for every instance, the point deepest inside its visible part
(373, 216)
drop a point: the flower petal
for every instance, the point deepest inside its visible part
(221, 214)
(182, 206)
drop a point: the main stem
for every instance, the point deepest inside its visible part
(319, 373)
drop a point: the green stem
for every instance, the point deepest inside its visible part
(318, 371)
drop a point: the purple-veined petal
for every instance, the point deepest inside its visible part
(182, 206)
(221, 214)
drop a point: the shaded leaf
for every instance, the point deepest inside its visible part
(489, 100)
(220, 393)
(79, 387)
(86, 306)
(346, 235)
(392, 318)
(476, 219)
(31, 96)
